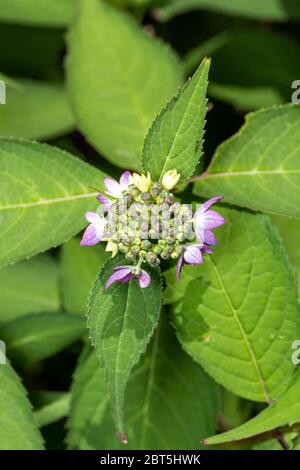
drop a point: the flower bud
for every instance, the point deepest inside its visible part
(130, 257)
(113, 247)
(142, 182)
(145, 196)
(135, 250)
(158, 249)
(146, 245)
(170, 179)
(151, 258)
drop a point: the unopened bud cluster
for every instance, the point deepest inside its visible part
(148, 225)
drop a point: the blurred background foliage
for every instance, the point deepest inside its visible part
(255, 50)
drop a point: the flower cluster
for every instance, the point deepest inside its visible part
(141, 219)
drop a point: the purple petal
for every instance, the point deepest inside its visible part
(127, 278)
(144, 279)
(212, 219)
(105, 202)
(207, 204)
(206, 249)
(124, 180)
(92, 217)
(120, 274)
(192, 255)
(179, 268)
(199, 231)
(209, 238)
(90, 236)
(113, 188)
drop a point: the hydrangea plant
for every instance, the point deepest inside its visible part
(165, 310)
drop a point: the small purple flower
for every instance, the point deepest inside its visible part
(94, 232)
(125, 273)
(206, 220)
(192, 254)
(114, 189)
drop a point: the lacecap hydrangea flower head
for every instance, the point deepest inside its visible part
(141, 219)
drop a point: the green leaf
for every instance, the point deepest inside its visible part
(23, 115)
(79, 267)
(259, 166)
(240, 315)
(267, 82)
(285, 412)
(34, 337)
(118, 79)
(51, 13)
(29, 287)
(18, 429)
(170, 401)
(121, 321)
(267, 10)
(289, 231)
(45, 194)
(175, 138)
(57, 409)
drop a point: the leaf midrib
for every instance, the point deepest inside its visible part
(168, 157)
(149, 387)
(243, 333)
(42, 202)
(281, 171)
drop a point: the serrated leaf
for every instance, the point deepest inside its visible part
(175, 138)
(121, 321)
(29, 287)
(118, 80)
(21, 116)
(18, 429)
(51, 13)
(266, 10)
(259, 167)
(79, 266)
(285, 412)
(44, 195)
(170, 401)
(239, 317)
(34, 337)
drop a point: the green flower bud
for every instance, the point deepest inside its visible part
(145, 196)
(151, 258)
(146, 244)
(130, 257)
(133, 191)
(158, 249)
(123, 248)
(165, 207)
(180, 237)
(153, 234)
(174, 255)
(179, 249)
(165, 254)
(135, 250)
(154, 192)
